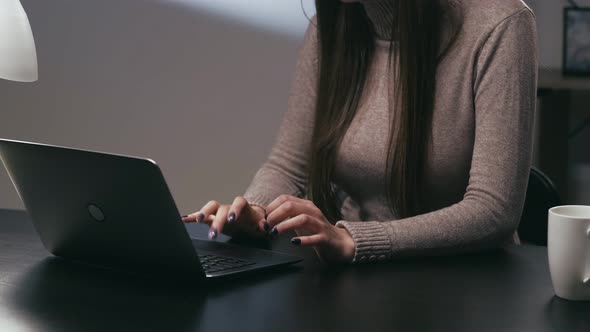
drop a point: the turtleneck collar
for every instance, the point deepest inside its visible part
(381, 14)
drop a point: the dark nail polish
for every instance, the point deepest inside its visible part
(183, 216)
(266, 226)
(200, 218)
(212, 235)
(274, 232)
(232, 218)
(296, 241)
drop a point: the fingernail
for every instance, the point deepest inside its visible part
(183, 216)
(274, 232)
(266, 226)
(200, 218)
(296, 241)
(212, 234)
(232, 218)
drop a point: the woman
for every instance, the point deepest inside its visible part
(408, 129)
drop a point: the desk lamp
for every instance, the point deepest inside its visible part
(18, 57)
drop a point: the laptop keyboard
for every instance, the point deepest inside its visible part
(214, 263)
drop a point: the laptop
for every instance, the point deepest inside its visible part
(117, 212)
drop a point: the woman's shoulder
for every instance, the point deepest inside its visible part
(482, 17)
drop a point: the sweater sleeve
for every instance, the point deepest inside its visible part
(285, 171)
(504, 98)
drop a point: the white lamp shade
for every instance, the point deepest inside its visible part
(18, 57)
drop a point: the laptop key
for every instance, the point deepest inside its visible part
(214, 263)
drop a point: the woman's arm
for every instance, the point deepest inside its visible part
(285, 171)
(505, 96)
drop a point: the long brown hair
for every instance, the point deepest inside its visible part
(346, 48)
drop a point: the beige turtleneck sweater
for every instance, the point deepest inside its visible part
(479, 162)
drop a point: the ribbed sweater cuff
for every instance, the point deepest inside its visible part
(370, 239)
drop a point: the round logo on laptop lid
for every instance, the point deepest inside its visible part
(96, 213)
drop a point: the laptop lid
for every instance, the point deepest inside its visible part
(103, 209)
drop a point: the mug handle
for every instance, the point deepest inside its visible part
(587, 279)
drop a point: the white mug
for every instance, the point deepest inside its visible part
(568, 244)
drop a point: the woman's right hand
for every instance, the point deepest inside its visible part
(237, 219)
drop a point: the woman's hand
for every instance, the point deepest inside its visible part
(331, 243)
(238, 219)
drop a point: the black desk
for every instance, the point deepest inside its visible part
(502, 291)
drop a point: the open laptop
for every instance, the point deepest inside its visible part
(117, 211)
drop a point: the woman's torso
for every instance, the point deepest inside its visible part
(360, 167)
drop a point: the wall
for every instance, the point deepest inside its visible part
(549, 15)
(199, 93)
(197, 85)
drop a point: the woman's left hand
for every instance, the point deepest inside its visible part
(289, 213)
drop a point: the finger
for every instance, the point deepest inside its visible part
(236, 209)
(193, 218)
(263, 225)
(208, 220)
(206, 211)
(188, 219)
(258, 215)
(260, 209)
(280, 200)
(290, 209)
(309, 241)
(302, 223)
(218, 222)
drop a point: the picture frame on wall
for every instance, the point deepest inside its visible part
(576, 41)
